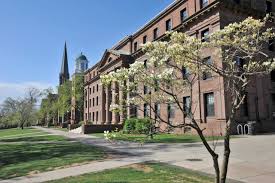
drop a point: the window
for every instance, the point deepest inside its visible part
(86, 93)
(207, 74)
(209, 104)
(97, 87)
(93, 116)
(271, 44)
(89, 118)
(237, 1)
(244, 106)
(156, 30)
(268, 6)
(272, 74)
(90, 103)
(86, 117)
(96, 115)
(110, 59)
(93, 101)
(96, 100)
(135, 46)
(145, 89)
(90, 91)
(205, 35)
(157, 110)
(169, 25)
(170, 111)
(183, 14)
(93, 89)
(157, 87)
(240, 63)
(185, 72)
(146, 110)
(144, 39)
(133, 111)
(186, 105)
(273, 98)
(86, 104)
(145, 64)
(204, 3)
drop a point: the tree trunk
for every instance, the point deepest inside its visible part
(226, 155)
(217, 169)
(214, 155)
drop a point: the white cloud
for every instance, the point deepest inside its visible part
(18, 89)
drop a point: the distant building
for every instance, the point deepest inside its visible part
(196, 18)
(81, 65)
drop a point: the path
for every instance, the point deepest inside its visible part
(74, 171)
(252, 158)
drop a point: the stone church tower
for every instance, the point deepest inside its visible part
(64, 73)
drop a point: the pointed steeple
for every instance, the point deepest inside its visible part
(64, 73)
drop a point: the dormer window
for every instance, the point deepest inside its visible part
(204, 3)
(183, 14)
(169, 25)
(144, 39)
(110, 59)
(135, 46)
(156, 32)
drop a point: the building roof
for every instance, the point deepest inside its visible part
(81, 57)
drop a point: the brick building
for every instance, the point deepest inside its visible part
(196, 18)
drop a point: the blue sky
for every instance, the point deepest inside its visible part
(33, 33)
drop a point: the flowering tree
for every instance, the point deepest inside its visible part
(173, 68)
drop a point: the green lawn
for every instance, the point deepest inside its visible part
(17, 131)
(35, 153)
(142, 173)
(160, 138)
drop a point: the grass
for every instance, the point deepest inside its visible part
(142, 173)
(16, 131)
(160, 138)
(20, 156)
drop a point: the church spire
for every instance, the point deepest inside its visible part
(64, 73)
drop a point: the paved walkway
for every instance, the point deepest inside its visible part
(74, 171)
(252, 158)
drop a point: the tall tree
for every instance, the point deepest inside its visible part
(22, 110)
(64, 98)
(78, 94)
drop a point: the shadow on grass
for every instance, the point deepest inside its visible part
(35, 138)
(20, 159)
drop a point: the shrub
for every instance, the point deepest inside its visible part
(130, 125)
(143, 126)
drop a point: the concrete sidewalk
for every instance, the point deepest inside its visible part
(75, 171)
